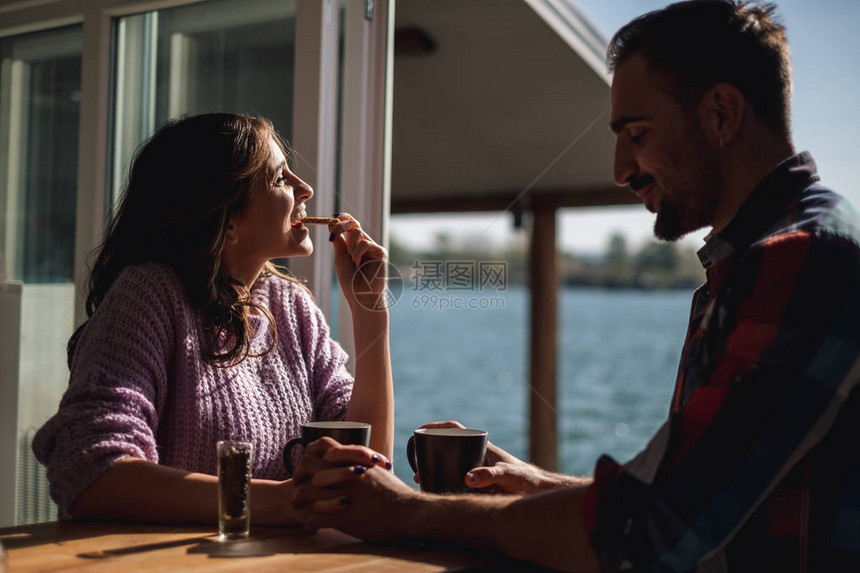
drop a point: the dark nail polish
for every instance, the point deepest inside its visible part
(359, 470)
(331, 238)
(336, 215)
(388, 465)
(375, 458)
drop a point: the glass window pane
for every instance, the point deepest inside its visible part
(40, 91)
(220, 55)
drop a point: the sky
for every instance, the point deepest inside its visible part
(825, 50)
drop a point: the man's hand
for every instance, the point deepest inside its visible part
(505, 473)
(373, 504)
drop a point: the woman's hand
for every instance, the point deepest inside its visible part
(327, 453)
(505, 473)
(327, 465)
(360, 263)
(361, 271)
(375, 506)
(332, 478)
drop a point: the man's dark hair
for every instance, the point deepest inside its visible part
(699, 43)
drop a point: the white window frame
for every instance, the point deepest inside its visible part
(14, 87)
(314, 137)
(366, 153)
(366, 120)
(366, 125)
(14, 76)
(365, 142)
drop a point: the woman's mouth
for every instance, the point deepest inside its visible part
(298, 215)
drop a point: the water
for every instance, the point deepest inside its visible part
(618, 350)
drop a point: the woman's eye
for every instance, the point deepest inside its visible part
(280, 180)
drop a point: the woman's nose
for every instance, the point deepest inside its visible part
(304, 191)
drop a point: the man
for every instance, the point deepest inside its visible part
(758, 466)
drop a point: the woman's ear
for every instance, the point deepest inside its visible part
(231, 237)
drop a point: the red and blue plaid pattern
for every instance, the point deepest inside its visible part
(758, 467)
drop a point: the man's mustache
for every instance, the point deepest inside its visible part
(637, 183)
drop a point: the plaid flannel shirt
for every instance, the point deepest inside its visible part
(758, 466)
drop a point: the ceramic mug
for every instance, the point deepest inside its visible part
(442, 456)
(356, 433)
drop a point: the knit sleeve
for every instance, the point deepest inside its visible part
(117, 386)
(331, 382)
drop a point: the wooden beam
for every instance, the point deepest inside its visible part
(512, 200)
(543, 417)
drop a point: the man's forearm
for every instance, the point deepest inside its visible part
(545, 528)
(548, 529)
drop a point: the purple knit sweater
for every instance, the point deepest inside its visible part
(139, 386)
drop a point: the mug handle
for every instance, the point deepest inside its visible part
(288, 454)
(410, 454)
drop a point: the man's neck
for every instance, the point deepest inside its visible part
(746, 163)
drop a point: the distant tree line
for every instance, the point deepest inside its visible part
(655, 265)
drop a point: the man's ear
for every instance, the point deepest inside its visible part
(723, 109)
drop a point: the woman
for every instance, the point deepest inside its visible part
(194, 336)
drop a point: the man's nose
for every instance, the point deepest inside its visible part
(624, 166)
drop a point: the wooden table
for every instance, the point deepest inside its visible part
(86, 547)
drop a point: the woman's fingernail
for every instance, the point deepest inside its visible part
(470, 476)
(331, 238)
(344, 501)
(375, 458)
(388, 465)
(358, 470)
(336, 215)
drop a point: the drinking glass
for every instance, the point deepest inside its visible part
(234, 489)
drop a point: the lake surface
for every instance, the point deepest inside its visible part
(619, 353)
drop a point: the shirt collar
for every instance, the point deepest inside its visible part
(767, 200)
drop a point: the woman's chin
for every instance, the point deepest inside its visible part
(308, 246)
(305, 249)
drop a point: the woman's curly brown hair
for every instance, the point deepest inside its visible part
(184, 184)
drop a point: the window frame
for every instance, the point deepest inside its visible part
(365, 159)
(15, 77)
(362, 152)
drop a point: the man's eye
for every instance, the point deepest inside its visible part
(637, 138)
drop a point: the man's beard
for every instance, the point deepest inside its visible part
(692, 205)
(669, 226)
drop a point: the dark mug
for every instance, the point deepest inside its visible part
(442, 456)
(356, 433)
